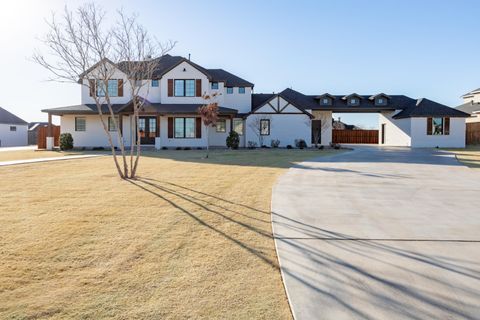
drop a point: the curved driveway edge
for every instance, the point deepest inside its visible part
(379, 233)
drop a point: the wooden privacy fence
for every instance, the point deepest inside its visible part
(42, 136)
(473, 133)
(355, 136)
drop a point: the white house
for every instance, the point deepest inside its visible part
(13, 130)
(175, 92)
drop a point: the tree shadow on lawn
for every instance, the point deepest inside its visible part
(341, 275)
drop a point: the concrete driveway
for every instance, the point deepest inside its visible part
(380, 233)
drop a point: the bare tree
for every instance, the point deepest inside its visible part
(81, 48)
(209, 114)
(256, 125)
(324, 121)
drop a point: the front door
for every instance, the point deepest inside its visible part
(148, 129)
(383, 133)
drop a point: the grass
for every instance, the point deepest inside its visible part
(469, 156)
(33, 154)
(191, 238)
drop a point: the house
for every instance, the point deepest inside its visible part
(169, 116)
(13, 130)
(471, 105)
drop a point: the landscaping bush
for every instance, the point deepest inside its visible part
(321, 147)
(233, 140)
(98, 148)
(336, 146)
(265, 146)
(199, 148)
(187, 148)
(164, 148)
(300, 143)
(275, 143)
(178, 148)
(251, 144)
(66, 141)
(289, 146)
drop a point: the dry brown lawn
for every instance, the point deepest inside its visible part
(191, 238)
(34, 154)
(470, 156)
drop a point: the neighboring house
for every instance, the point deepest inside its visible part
(471, 105)
(170, 119)
(13, 130)
(33, 128)
(339, 125)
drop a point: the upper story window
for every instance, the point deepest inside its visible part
(241, 90)
(214, 85)
(184, 88)
(80, 124)
(380, 101)
(112, 88)
(155, 83)
(353, 101)
(13, 128)
(229, 90)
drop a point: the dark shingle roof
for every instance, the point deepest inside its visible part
(259, 99)
(231, 80)
(82, 109)
(298, 99)
(428, 108)
(339, 104)
(469, 107)
(471, 92)
(9, 118)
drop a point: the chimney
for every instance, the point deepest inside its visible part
(189, 57)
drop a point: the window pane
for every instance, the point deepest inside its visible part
(179, 88)
(215, 85)
(221, 125)
(80, 124)
(241, 90)
(13, 128)
(113, 88)
(179, 127)
(437, 126)
(154, 83)
(264, 127)
(100, 88)
(229, 90)
(189, 127)
(238, 126)
(111, 124)
(190, 88)
(152, 127)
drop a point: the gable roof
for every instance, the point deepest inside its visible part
(231, 80)
(428, 108)
(468, 94)
(469, 107)
(295, 98)
(379, 95)
(7, 117)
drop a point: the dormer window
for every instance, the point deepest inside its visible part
(380, 101)
(353, 101)
(325, 101)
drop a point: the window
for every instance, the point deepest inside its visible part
(353, 101)
(265, 127)
(380, 101)
(80, 124)
(13, 128)
(229, 90)
(221, 125)
(155, 83)
(185, 88)
(241, 90)
(238, 126)
(437, 126)
(184, 128)
(325, 101)
(111, 124)
(214, 85)
(112, 88)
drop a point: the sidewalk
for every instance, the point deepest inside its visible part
(14, 162)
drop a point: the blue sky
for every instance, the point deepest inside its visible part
(418, 48)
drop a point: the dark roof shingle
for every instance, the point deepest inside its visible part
(428, 108)
(7, 117)
(469, 107)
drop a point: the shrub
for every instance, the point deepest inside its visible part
(275, 143)
(233, 140)
(289, 146)
(164, 148)
(199, 148)
(178, 148)
(251, 144)
(336, 146)
(321, 147)
(98, 148)
(300, 143)
(187, 148)
(265, 147)
(66, 141)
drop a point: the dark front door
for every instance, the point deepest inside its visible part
(383, 133)
(148, 129)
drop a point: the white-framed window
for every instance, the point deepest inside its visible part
(13, 128)
(221, 125)
(184, 88)
(80, 124)
(214, 85)
(265, 127)
(238, 126)
(353, 101)
(229, 90)
(155, 83)
(380, 101)
(111, 123)
(325, 101)
(184, 128)
(241, 90)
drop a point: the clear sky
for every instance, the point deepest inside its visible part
(419, 48)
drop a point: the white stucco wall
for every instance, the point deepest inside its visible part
(185, 142)
(326, 134)
(397, 131)
(420, 139)
(240, 101)
(178, 73)
(13, 138)
(219, 139)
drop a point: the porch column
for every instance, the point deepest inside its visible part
(49, 144)
(157, 134)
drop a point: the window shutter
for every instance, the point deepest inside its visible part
(198, 128)
(429, 126)
(198, 87)
(170, 87)
(170, 127)
(157, 129)
(447, 126)
(91, 85)
(120, 87)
